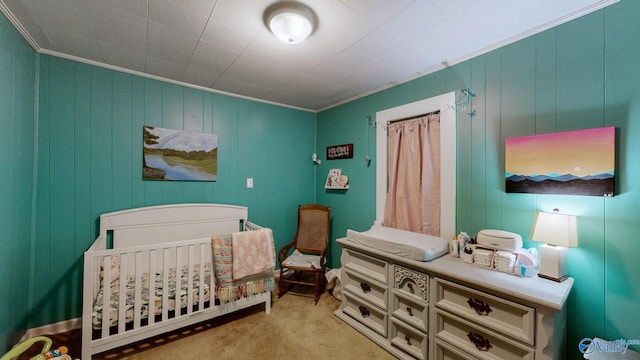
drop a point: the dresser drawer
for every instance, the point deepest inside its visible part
(368, 314)
(411, 282)
(444, 351)
(409, 339)
(370, 290)
(489, 311)
(367, 265)
(478, 342)
(410, 311)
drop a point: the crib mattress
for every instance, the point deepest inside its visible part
(181, 292)
(421, 247)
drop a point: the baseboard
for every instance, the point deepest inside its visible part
(59, 327)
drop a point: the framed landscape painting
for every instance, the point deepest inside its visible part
(580, 162)
(179, 155)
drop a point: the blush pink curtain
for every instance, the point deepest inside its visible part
(413, 196)
(431, 177)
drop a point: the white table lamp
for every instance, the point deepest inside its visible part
(558, 232)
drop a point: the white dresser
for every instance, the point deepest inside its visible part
(449, 309)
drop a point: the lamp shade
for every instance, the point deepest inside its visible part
(291, 22)
(555, 229)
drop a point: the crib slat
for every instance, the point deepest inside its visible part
(106, 293)
(165, 284)
(178, 287)
(137, 302)
(122, 296)
(212, 281)
(190, 265)
(201, 277)
(152, 286)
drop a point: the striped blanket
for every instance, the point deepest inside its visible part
(238, 258)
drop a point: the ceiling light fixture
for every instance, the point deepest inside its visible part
(290, 21)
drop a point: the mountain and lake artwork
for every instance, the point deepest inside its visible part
(580, 162)
(179, 155)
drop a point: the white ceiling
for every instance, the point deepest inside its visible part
(360, 46)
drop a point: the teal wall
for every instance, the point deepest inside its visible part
(17, 94)
(582, 74)
(90, 162)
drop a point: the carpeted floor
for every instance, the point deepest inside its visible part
(295, 329)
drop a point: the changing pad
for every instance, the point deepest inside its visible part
(421, 247)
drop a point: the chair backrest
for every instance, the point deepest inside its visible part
(312, 235)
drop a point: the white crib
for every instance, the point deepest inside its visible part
(158, 263)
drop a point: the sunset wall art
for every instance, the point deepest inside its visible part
(580, 162)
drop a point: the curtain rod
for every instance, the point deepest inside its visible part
(412, 117)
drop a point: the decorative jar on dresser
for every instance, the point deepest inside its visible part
(448, 309)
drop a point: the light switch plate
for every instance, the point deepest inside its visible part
(249, 183)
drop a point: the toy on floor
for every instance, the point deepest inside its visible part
(45, 354)
(25, 345)
(59, 353)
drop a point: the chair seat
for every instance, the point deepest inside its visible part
(298, 259)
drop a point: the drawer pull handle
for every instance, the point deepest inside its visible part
(365, 287)
(410, 286)
(407, 339)
(409, 311)
(479, 306)
(480, 342)
(364, 311)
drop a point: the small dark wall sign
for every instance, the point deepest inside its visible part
(340, 152)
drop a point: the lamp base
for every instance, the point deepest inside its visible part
(560, 279)
(553, 262)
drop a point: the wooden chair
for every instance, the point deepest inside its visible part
(306, 254)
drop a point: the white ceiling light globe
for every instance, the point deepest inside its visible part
(290, 28)
(290, 21)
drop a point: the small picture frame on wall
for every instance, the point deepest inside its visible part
(333, 177)
(344, 151)
(336, 180)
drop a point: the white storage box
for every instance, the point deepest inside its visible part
(499, 240)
